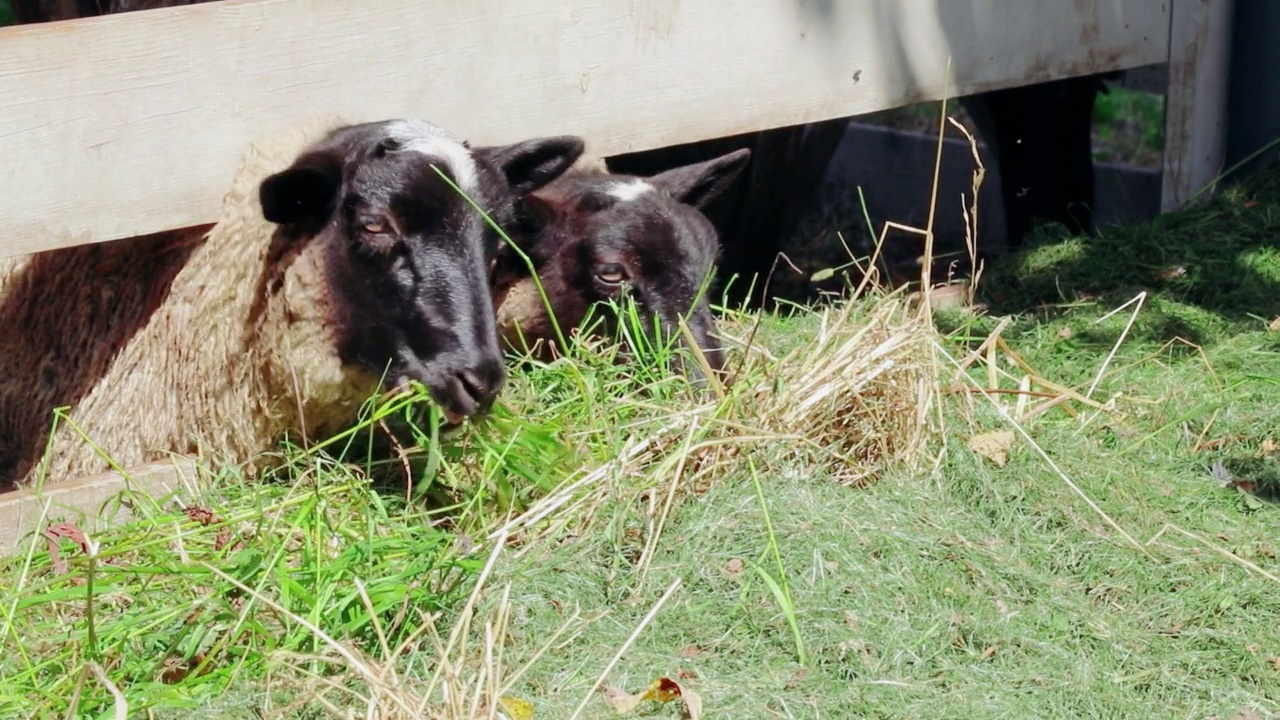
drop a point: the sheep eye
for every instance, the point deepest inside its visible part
(611, 274)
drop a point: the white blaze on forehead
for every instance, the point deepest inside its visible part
(629, 190)
(428, 139)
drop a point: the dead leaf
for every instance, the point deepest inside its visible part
(993, 446)
(1275, 663)
(1254, 648)
(1275, 325)
(690, 651)
(1065, 333)
(734, 568)
(663, 690)
(851, 621)
(176, 670)
(692, 704)
(622, 701)
(1211, 444)
(1246, 714)
(1172, 273)
(1250, 204)
(684, 674)
(466, 544)
(1269, 446)
(515, 708)
(204, 516)
(56, 532)
(991, 650)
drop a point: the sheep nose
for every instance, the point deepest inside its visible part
(482, 383)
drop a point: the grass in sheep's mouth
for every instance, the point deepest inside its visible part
(1102, 570)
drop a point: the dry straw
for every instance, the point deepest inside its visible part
(858, 396)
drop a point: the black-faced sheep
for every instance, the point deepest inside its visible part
(343, 263)
(593, 236)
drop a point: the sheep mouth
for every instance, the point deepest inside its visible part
(460, 394)
(453, 398)
(463, 397)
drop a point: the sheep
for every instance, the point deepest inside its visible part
(593, 235)
(343, 264)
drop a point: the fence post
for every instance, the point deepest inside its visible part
(1196, 102)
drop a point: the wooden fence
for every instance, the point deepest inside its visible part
(127, 124)
(121, 125)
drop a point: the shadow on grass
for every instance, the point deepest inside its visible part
(1209, 270)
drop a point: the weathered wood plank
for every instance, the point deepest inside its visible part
(1196, 102)
(88, 502)
(119, 125)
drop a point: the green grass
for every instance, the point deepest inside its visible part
(981, 591)
(1129, 127)
(946, 588)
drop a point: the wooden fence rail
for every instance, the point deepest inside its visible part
(127, 124)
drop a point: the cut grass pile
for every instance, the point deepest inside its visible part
(856, 527)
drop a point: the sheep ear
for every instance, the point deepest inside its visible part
(535, 213)
(530, 164)
(305, 193)
(700, 183)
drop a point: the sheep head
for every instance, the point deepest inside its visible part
(595, 237)
(395, 208)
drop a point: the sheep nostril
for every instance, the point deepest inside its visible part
(480, 385)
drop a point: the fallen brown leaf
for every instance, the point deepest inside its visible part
(622, 701)
(1211, 444)
(1275, 325)
(690, 651)
(1275, 663)
(734, 568)
(993, 446)
(991, 650)
(204, 516)
(692, 704)
(1065, 333)
(850, 621)
(63, 530)
(176, 670)
(663, 690)
(1270, 447)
